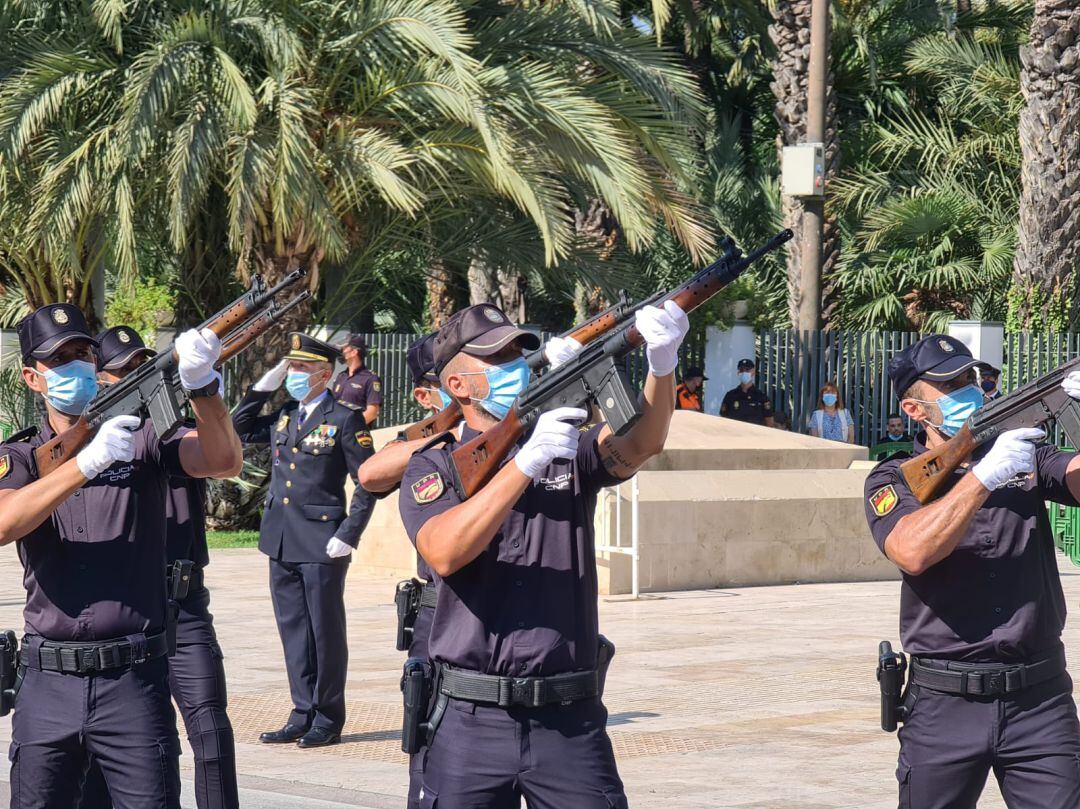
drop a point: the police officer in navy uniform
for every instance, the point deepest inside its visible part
(516, 572)
(91, 538)
(308, 530)
(981, 605)
(358, 386)
(196, 670)
(745, 402)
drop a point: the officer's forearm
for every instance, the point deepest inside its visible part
(454, 538)
(623, 455)
(383, 470)
(22, 510)
(371, 412)
(925, 537)
(218, 443)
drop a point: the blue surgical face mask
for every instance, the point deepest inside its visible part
(71, 386)
(957, 407)
(505, 382)
(745, 378)
(298, 384)
(829, 399)
(443, 398)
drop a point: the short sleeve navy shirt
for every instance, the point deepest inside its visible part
(997, 597)
(359, 390)
(526, 606)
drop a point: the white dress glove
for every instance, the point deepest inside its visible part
(1013, 454)
(114, 442)
(1071, 384)
(551, 438)
(198, 351)
(663, 330)
(335, 548)
(272, 379)
(558, 350)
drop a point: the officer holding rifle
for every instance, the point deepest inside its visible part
(91, 537)
(516, 575)
(981, 606)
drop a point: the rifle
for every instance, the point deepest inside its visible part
(596, 376)
(592, 329)
(1033, 405)
(153, 390)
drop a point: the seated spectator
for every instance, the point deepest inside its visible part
(688, 392)
(831, 421)
(894, 430)
(781, 421)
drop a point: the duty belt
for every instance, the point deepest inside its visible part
(986, 679)
(527, 692)
(72, 657)
(428, 596)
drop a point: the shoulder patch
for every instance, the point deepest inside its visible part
(884, 500)
(428, 489)
(364, 439)
(376, 386)
(5, 466)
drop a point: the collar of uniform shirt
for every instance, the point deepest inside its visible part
(307, 408)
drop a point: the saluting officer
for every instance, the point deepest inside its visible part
(746, 402)
(515, 630)
(357, 385)
(196, 671)
(981, 605)
(91, 537)
(307, 531)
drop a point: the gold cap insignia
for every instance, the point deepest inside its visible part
(123, 336)
(59, 316)
(296, 341)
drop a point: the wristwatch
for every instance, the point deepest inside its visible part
(210, 389)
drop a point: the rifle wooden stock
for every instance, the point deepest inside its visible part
(927, 473)
(61, 448)
(477, 461)
(435, 424)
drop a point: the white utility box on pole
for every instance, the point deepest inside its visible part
(803, 171)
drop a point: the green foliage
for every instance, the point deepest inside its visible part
(143, 305)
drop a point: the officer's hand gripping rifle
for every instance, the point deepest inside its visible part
(597, 376)
(1040, 401)
(592, 329)
(153, 390)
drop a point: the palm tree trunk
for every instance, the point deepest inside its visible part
(597, 230)
(790, 34)
(488, 284)
(1048, 246)
(443, 298)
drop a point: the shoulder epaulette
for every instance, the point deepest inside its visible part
(349, 405)
(22, 435)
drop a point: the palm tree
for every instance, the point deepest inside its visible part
(1048, 245)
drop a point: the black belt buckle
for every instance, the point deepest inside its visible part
(993, 683)
(108, 657)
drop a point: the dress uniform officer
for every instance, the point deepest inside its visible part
(196, 671)
(688, 392)
(356, 385)
(91, 538)
(307, 531)
(981, 605)
(745, 402)
(515, 632)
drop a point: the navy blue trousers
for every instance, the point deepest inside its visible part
(419, 648)
(197, 683)
(1031, 742)
(309, 605)
(485, 757)
(124, 719)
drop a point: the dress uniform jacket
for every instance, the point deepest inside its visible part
(306, 503)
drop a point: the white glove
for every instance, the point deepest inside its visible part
(1013, 454)
(198, 351)
(272, 379)
(114, 442)
(552, 438)
(1071, 384)
(335, 548)
(663, 330)
(558, 350)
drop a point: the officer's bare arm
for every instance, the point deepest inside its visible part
(371, 412)
(1072, 476)
(451, 540)
(212, 449)
(24, 509)
(383, 470)
(623, 455)
(923, 538)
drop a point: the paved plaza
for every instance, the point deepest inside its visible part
(756, 697)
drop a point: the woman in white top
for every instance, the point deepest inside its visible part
(831, 421)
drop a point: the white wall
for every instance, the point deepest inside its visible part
(723, 350)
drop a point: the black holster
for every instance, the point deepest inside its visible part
(419, 682)
(10, 678)
(892, 666)
(177, 582)
(407, 601)
(603, 660)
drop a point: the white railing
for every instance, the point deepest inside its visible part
(614, 543)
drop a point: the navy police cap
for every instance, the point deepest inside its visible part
(481, 331)
(421, 360)
(306, 348)
(937, 358)
(42, 332)
(118, 346)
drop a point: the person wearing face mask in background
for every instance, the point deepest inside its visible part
(358, 387)
(988, 381)
(831, 420)
(981, 604)
(746, 402)
(308, 531)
